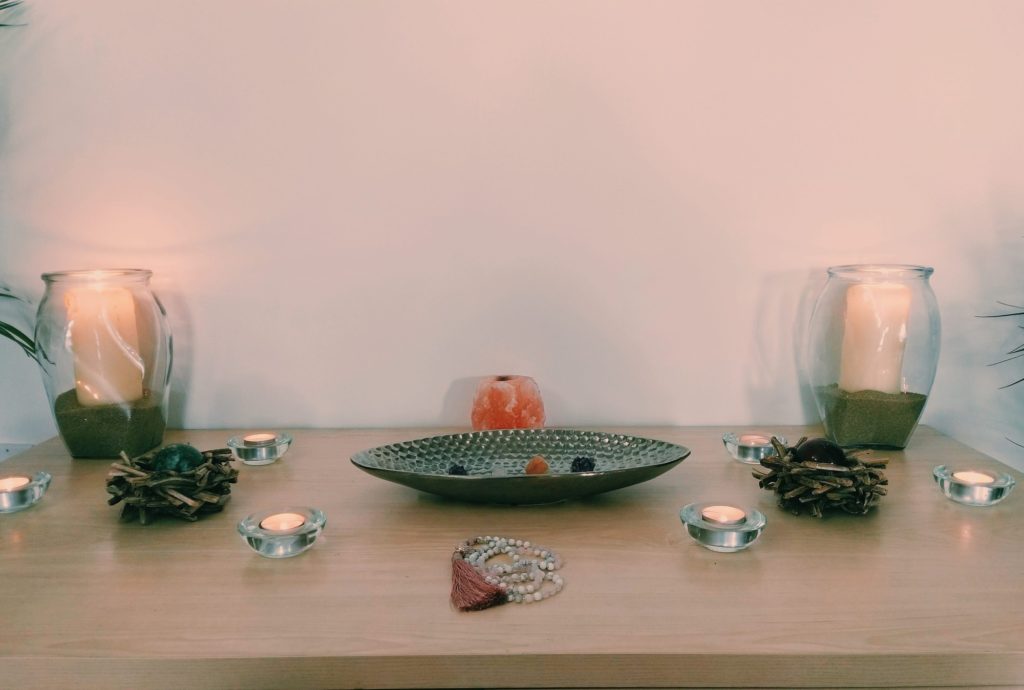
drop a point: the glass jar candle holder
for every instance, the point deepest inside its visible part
(872, 352)
(104, 345)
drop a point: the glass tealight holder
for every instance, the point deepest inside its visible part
(18, 492)
(722, 528)
(973, 487)
(284, 532)
(260, 448)
(750, 448)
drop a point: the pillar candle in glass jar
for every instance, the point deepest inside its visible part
(104, 339)
(872, 352)
(874, 337)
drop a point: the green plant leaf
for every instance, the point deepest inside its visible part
(15, 333)
(23, 341)
(1017, 351)
(6, 5)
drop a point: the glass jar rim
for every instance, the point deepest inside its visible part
(99, 275)
(881, 270)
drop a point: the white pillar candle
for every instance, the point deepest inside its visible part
(104, 339)
(874, 337)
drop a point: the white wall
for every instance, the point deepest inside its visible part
(354, 208)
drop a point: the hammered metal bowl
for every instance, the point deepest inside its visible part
(495, 462)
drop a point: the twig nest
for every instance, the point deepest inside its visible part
(817, 475)
(177, 480)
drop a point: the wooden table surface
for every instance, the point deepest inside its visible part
(921, 592)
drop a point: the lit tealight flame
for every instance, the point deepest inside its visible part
(970, 477)
(14, 483)
(282, 522)
(723, 515)
(754, 440)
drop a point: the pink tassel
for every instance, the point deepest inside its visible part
(470, 591)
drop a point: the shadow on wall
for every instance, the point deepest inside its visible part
(970, 401)
(183, 337)
(458, 400)
(12, 21)
(512, 336)
(783, 297)
(7, 49)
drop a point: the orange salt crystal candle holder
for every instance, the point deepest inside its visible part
(507, 402)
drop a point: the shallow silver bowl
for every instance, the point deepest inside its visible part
(495, 462)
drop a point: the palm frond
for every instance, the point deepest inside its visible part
(1011, 384)
(6, 5)
(23, 341)
(1017, 351)
(999, 316)
(1003, 361)
(8, 330)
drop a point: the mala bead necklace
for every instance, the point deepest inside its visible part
(526, 574)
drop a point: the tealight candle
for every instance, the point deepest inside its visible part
(19, 491)
(723, 515)
(13, 483)
(973, 488)
(282, 533)
(750, 448)
(259, 439)
(722, 528)
(260, 448)
(970, 477)
(282, 522)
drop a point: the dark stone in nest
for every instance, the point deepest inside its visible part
(816, 475)
(178, 480)
(179, 457)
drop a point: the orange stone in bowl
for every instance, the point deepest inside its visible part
(537, 465)
(507, 402)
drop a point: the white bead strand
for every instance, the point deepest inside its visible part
(528, 577)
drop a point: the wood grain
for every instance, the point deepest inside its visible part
(922, 591)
